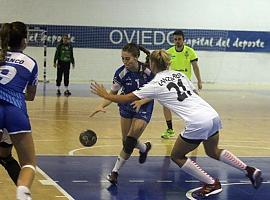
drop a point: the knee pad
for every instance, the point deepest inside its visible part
(129, 144)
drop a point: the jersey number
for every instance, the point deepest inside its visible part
(7, 74)
(180, 95)
(138, 83)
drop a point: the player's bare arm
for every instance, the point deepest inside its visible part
(101, 107)
(30, 92)
(196, 70)
(138, 103)
(100, 90)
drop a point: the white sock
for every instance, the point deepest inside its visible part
(141, 146)
(119, 163)
(23, 193)
(230, 159)
(194, 170)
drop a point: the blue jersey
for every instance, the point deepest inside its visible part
(129, 81)
(16, 72)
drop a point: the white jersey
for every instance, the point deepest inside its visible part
(173, 90)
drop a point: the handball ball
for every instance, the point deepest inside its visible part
(88, 138)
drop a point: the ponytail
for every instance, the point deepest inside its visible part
(11, 36)
(161, 59)
(4, 38)
(147, 53)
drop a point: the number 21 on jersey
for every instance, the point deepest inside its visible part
(181, 96)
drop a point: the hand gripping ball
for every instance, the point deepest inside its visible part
(88, 138)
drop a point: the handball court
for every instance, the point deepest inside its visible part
(67, 170)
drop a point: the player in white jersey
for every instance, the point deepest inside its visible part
(18, 82)
(173, 90)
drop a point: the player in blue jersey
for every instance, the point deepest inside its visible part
(128, 78)
(18, 82)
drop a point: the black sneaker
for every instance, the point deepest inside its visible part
(58, 93)
(255, 176)
(208, 190)
(112, 177)
(67, 93)
(143, 156)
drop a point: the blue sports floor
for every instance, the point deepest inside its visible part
(84, 178)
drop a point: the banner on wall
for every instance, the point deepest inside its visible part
(151, 38)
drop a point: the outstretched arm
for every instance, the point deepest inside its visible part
(100, 90)
(101, 107)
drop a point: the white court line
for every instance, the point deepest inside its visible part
(47, 182)
(192, 181)
(80, 181)
(244, 181)
(58, 187)
(164, 181)
(136, 181)
(189, 193)
(71, 153)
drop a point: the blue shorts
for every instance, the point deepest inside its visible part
(13, 119)
(145, 112)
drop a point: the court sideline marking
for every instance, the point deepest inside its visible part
(58, 187)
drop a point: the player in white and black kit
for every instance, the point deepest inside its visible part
(173, 90)
(18, 83)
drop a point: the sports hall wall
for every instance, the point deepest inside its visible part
(100, 63)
